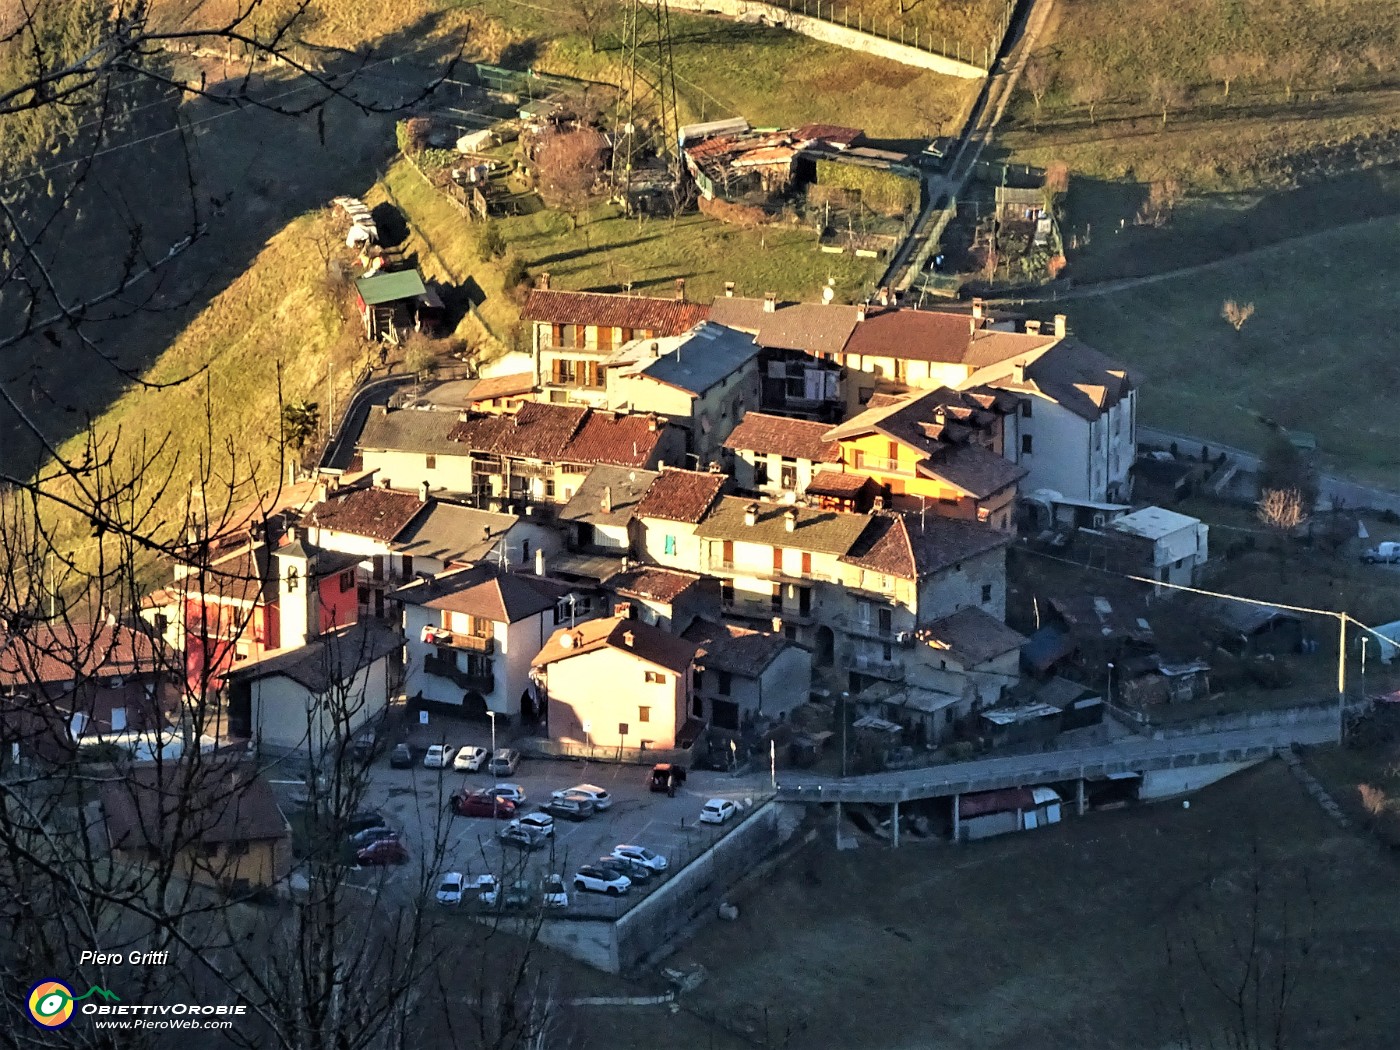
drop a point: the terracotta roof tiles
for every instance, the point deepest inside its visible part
(781, 436)
(681, 495)
(605, 310)
(380, 514)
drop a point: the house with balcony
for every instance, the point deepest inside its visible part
(702, 382)
(668, 514)
(775, 456)
(618, 683)
(745, 676)
(536, 455)
(470, 635)
(574, 334)
(938, 452)
(665, 598)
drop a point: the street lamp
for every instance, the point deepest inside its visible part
(1110, 683)
(1364, 640)
(492, 715)
(845, 697)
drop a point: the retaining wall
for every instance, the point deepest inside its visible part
(830, 33)
(1164, 783)
(1324, 713)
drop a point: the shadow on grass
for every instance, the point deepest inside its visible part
(577, 253)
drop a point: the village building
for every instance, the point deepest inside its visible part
(775, 456)
(393, 304)
(217, 824)
(744, 676)
(600, 514)
(618, 683)
(665, 598)
(1153, 542)
(667, 516)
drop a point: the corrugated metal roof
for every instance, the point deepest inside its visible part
(390, 287)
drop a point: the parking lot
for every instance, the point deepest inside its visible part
(414, 803)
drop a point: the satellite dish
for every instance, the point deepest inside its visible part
(828, 294)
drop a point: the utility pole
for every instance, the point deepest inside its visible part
(648, 122)
(845, 698)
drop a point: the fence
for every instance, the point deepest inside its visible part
(895, 30)
(543, 747)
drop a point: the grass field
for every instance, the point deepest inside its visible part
(1317, 341)
(1059, 937)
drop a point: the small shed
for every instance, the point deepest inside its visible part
(982, 814)
(1028, 722)
(393, 303)
(1256, 629)
(1012, 203)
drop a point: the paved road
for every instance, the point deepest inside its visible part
(1133, 754)
(341, 447)
(1330, 487)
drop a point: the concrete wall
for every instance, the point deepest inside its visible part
(1164, 783)
(961, 587)
(830, 33)
(1319, 714)
(607, 688)
(280, 708)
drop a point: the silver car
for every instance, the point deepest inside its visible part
(504, 762)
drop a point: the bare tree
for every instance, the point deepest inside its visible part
(1167, 94)
(589, 18)
(1090, 89)
(1228, 67)
(1162, 198)
(1236, 313)
(569, 165)
(1039, 77)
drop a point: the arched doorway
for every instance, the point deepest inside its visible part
(825, 648)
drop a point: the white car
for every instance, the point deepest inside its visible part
(487, 889)
(640, 855)
(717, 811)
(439, 756)
(600, 880)
(555, 895)
(449, 892)
(514, 792)
(541, 824)
(471, 759)
(598, 796)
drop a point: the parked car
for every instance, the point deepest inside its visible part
(369, 818)
(1388, 553)
(487, 889)
(569, 808)
(481, 804)
(593, 879)
(368, 835)
(542, 823)
(598, 796)
(401, 757)
(641, 855)
(555, 895)
(504, 762)
(471, 759)
(666, 776)
(365, 745)
(385, 851)
(449, 892)
(717, 811)
(439, 756)
(513, 834)
(514, 792)
(519, 894)
(634, 871)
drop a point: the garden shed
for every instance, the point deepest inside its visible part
(391, 304)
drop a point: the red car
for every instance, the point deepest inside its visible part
(385, 851)
(482, 804)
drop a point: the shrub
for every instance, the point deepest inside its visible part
(515, 273)
(492, 242)
(412, 135)
(436, 159)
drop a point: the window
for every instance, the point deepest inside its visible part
(1026, 445)
(377, 573)
(892, 449)
(806, 563)
(549, 488)
(208, 849)
(863, 613)
(698, 679)
(237, 849)
(293, 578)
(669, 545)
(948, 717)
(525, 549)
(886, 621)
(347, 580)
(480, 627)
(655, 678)
(726, 683)
(776, 601)
(622, 728)
(643, 714)
(726, 556)
(886, 653)
(726, 592)
(697, 707)
(408, 566)
(859, 462)
(777, 559)
(789, 480)
(986, 593)
(430, 461)
(760, 473)
(1026, 409)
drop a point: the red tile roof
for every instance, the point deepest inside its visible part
(914, 546)
(927, 335)
(216, 801)
(658, 316)
(614, 438)
(61, 652)
(561, 434)
(653, 582)
(971, 636)
(837, 483)
(781, 436)
(517, 383)
(380, 514)
(647, 643)
(681, 495)
(832, 133)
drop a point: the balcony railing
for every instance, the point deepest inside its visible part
(867, 663)
(446, 667)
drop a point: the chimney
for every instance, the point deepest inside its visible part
(884, 297)
(716, 467)
(607, 499)
(1032, 327)
(384, 483)
(1018, 372)
(860, 311)
(680, 289)
(751, 515)
(423, 493)
(770, 302)
(940, 415)
(628, 638)
(729, 289)
(777, 625)
(322, 491)
(790, 520)
(542, 282)
(651, 424)
(655, 349)
(879, 503)
(977, 306)
(291, 533)
(539, 561)
(1061, 326)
